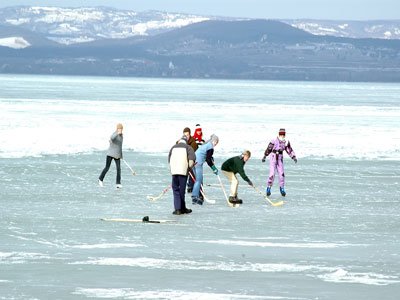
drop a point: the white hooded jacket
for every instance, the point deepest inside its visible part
(181, 157)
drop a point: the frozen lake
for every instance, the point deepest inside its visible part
(336, 236)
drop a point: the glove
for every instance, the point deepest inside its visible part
(214, 169)
(263, 159)
(295, 159)
(250, 183)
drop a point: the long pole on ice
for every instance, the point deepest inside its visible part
(133, 172)
(266, 198)
(202, 190)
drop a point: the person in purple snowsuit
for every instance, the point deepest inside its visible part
(276, 148)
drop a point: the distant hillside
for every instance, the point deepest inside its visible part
(30, 36)
(235, 32)
(250, 49)
(378, 29)
(86, 24)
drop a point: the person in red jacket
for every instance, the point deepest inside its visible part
(198, 135)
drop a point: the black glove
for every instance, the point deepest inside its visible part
(250, 183)
(263, 159)
(295, 159)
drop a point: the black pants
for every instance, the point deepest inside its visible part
(107, 167)
(178, 188)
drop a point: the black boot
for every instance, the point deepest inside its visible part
(238, 201)
(235, 200)
(186, 210)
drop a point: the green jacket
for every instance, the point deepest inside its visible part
(235, 165)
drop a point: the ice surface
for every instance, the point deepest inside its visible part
(67, 115)
(336, 236)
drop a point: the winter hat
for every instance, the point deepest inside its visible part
(282, 131)
(198, 134)
(198, 129)
(214, 138)
(119, 126)
(186, 129)
(183, 139)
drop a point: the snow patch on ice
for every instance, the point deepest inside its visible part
(329, 274)
(152, 263)
(343, 276)
(106, 246)
(315, 245)
(21, 257)
(4, 281)
(59, 118)
(129, 293)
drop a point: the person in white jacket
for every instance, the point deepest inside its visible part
(181, 158)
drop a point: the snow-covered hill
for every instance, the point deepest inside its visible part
(15, 42)
(381, 29)
(74, 25)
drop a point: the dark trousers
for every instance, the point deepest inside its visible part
(107, 167)
(178, 187)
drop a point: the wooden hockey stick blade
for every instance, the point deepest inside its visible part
(155, 198)
(266, 198)
(279, 203)
(151, 198)
(133, 172)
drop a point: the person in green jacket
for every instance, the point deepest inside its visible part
(230, 168)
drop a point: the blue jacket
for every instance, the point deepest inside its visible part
(205, 154)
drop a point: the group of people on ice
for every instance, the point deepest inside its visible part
(186, 160)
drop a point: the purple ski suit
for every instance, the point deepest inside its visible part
(276, 148)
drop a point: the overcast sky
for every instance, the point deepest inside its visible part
(267, 9)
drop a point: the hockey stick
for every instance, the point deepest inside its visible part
(151, 198)
(133, 172)
(202, 191)
(226, 197)
(266, 198)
